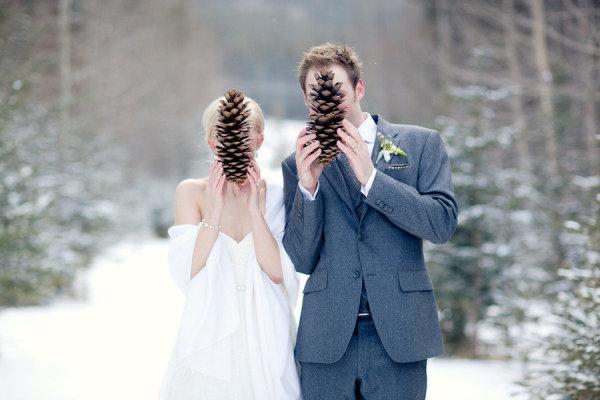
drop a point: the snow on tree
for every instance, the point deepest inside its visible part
(565, 360)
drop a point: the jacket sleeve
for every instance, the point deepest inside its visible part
(303, 234)
(430, 211)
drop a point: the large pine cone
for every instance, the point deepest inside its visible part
(233, 136)
(325, 99)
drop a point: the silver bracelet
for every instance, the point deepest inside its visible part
(213, 227)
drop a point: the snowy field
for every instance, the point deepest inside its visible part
(115, 345)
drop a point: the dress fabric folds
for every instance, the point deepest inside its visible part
(237, 332)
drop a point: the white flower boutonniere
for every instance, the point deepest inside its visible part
(387, 149)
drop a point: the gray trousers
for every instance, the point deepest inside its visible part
(365, 371)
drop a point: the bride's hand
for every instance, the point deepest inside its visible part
(216, 192)
(250, 189)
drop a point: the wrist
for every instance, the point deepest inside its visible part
(255, 215)
(367, 177)
(213, 217)
(214, 227)
(311, 189)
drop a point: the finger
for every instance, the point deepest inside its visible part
(308, 149)
(216, 166)
(256, 168)
(303, 140)
(256, 175)
(308, 161)
(217, 171)
(252, 186)
(347, 139)
(211, 175)
(253, 166)
(351, 130)
(301, 133)
(220, 184)
(215, 179)
(305, 165)
(252, 174)
(347, 150)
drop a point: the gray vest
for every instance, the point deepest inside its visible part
(357, 196)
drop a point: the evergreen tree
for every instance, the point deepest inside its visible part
(57, 180)
(566, 361)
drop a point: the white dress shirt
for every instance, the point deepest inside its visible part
(368, 131)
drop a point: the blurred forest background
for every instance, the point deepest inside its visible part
(100, 118)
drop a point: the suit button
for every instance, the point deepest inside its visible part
(356, 273)
(361, 237)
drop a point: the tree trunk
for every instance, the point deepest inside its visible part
(65, 70)
(590, 118)
(517, 103)
(546, 90)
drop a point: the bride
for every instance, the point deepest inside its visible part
(237, 331)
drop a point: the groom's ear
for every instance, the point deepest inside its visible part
(359, 90)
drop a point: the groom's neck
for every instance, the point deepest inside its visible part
(355, 116)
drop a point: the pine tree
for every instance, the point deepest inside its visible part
(566, 365)
(325, 100)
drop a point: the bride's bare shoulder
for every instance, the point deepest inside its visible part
(188, 199)
(191, 186)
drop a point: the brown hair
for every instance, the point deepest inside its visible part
(330, 53)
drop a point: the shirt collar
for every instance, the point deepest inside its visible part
(368, 128)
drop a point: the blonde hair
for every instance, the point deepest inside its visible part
(210, 117)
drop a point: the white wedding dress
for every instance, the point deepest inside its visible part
(237, 332)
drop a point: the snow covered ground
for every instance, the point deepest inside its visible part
(115, 345)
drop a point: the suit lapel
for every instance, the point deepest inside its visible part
(334, 175)
(354, 183)
(384, 128)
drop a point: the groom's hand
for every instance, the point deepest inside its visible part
(308, 170)
(355, 148)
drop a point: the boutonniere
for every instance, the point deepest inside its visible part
(387, 149)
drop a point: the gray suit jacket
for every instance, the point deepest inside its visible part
(338, 245)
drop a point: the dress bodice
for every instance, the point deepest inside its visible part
(237, 331)
(238, 254)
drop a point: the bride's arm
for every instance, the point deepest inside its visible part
(188, 212)
(266, 248)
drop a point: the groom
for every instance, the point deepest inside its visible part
(369, 317)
